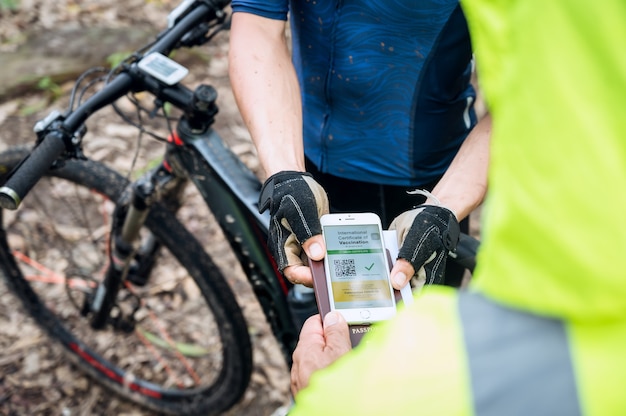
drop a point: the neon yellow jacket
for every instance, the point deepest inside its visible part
(543, 329)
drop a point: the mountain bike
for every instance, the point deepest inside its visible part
(100, 259)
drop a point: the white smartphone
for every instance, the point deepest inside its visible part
(357, 268)
(162, 68)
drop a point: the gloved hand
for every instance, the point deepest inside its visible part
(296, 202)
(426, 235)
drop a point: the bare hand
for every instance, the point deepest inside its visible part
(318, 347)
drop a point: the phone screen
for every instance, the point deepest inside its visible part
(358, 267)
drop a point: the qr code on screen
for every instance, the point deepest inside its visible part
(345, 268)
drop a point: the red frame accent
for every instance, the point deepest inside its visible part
(112, 375)
(175, 139)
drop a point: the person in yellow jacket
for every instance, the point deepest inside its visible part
(542, 328)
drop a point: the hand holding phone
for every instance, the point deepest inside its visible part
(357, 268)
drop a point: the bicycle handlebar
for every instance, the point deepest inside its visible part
(31, 170)
(466, 250)
(54, 143)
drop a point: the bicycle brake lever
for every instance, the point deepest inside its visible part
(178, 12)
(43, 124)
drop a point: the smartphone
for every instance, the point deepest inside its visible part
(357, 268)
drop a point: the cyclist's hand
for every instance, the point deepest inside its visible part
(426, 235)
(296, 202)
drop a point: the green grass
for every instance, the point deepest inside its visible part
(9, 4)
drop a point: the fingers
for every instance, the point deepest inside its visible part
(305, 356)
(401, 274)
(299, 275)
(318, 347)
(295, 202)
(314, 247)
(432, 233)
(337, 334)
(312, 333)
(420, 245)
(435, 267)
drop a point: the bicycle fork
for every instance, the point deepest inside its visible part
(131, 254)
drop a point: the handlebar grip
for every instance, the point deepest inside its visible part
(25, 175)
(466, 251)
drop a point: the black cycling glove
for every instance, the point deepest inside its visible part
(427, 234)
(296, 202)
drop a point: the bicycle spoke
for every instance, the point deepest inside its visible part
(166, 339)
(67, 247)
(49, 276)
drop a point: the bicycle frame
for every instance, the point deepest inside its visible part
(231, 191)
(196, 152)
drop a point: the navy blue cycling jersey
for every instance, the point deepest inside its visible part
(385, 84)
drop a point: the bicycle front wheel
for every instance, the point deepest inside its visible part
(176, 342)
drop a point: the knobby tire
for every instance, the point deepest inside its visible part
(139, 377)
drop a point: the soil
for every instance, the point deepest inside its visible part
(34, 376)
(44, 45)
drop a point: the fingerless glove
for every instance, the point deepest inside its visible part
(427, 234)
(296, 202)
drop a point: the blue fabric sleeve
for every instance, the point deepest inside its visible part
(272, 9)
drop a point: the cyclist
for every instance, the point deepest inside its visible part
(542, 328)
(387, 103)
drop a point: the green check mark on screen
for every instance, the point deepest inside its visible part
(370, 267)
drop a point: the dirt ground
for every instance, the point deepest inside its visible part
(35, 378)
